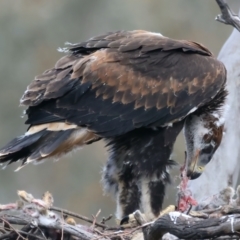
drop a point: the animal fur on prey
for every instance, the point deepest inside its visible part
(136, 90)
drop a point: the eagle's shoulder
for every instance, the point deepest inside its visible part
(125, 41)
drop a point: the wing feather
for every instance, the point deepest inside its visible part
(120, 81)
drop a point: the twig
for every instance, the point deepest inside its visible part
(104, 220)
(4, 236)
(28, 235)
(16, 219)
(19, 235)
(40, 230)
(78, 216)
(209, 211)
(2, 230)
(95, 219)
(62, 228)
(227, 16)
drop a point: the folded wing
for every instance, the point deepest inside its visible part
(112, 84)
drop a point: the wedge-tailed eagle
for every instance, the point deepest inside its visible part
(136, 90)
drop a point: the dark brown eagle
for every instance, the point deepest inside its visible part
(136, 90)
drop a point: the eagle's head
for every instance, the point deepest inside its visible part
(203, 135)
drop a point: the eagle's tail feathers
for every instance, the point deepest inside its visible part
(45, 141)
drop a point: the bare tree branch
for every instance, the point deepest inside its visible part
(39, 222)
(227, 16)
(53, 225)
(64, 211)
(186, 227)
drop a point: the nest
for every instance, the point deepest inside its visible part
(31, 218)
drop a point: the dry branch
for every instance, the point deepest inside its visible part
(227, 16)
(38, 221)
(186, 227)
(76, 215)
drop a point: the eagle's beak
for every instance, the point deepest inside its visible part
(194, 170)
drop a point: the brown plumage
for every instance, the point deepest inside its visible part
(136, 90)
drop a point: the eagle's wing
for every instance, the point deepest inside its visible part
(111, 85)
(125, 80)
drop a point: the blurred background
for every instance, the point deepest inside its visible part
(30, 33)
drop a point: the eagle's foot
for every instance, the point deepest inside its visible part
(133, 220)
(137, 218)
(168, 209)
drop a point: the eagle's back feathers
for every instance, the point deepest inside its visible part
(134, 79)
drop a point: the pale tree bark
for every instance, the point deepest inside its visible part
(223, 170)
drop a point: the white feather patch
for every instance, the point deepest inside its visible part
(145, 198)
(56, 126)
(156, 34)
(192, 110)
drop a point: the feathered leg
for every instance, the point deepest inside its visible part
(151, 192)
(125, 190)
(138, 170)
(128, 201)
(152, 196)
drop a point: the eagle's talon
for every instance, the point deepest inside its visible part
(132, 220)
(124, 220)
(189, 209)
